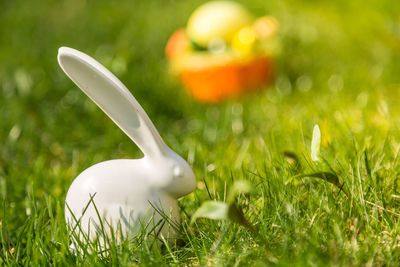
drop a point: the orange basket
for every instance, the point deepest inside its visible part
(213, 78)
(213, 84)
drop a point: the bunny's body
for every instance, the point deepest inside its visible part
(121, 192)
(121, 196)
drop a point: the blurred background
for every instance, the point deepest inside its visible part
(333, 54)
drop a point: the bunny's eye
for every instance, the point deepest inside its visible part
(177, 171)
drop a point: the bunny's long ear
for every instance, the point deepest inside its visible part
(113, 98)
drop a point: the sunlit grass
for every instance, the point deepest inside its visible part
(339, 69)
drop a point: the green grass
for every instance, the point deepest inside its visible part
(340, 68)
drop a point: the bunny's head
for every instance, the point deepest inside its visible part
(177, 178)
(167, 170)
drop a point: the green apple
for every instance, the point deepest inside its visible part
(217, 20)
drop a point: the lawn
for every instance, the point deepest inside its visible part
(339, 68)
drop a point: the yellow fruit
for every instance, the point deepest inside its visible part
(217, 20)
(266, 30)
(244, 41)
(266, 27)
(177, 44)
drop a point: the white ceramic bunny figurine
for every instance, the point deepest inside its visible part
(127, 193)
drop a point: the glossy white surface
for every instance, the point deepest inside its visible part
(127, 193)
